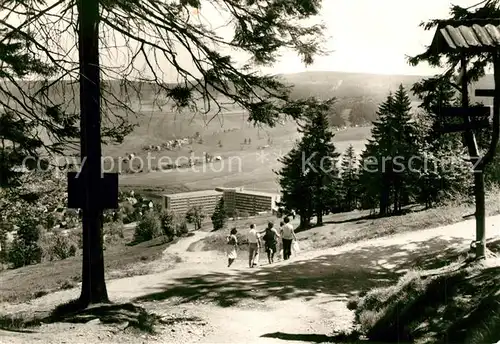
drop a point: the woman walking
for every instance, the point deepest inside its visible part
(231, 251)
(280, 231)
(270, 238)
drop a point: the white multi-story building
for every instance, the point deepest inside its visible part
(180, 203)
(248, 201)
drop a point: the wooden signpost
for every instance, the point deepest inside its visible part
(468, 38)
(484, 93)
(480, 114)
(108, 187)
(476, 111)
(475, 118)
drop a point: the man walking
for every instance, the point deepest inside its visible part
(288, 235)
(253, 246)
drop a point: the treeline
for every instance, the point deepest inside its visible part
(353, 111)
(406, 161)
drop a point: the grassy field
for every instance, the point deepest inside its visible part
(246, 170)
(242, 165)
(121, 260)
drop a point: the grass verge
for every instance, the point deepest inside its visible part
(121, 260)
(458, 303)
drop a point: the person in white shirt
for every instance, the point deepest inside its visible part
(253, 246)
(288, 235)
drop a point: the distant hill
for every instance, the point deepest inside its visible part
(358, 97)
(352, 85)
(359, 94)
(324, 84)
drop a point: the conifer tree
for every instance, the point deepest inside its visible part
(375, 176)
(219, 217)
(394, 149)
(349, 179)
(320, 157)
(407, 149)
(369, 178)
(295, 187)
(310, 171)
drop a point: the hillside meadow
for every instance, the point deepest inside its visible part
(224, 135)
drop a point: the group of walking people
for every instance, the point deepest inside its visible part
(270, 236)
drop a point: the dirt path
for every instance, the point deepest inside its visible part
(186, 258)
(300, 299)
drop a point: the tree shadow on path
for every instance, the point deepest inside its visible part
(310, 338)
(341, 275)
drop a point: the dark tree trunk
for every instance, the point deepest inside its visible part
(305, 220)
(93, 281)
(385, 195)
(302, 222)
(319, 217)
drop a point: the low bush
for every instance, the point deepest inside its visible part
(25, 249)
(60, 247)
(21, 253)
(168, 224)
(113, 233)
(50, 220)
(130, 213)
(148, 228)
(195, 215)
(182, 228)
(3, 244)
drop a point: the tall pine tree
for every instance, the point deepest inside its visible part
(368, 178)
(406, 150)
(374, 175)
(295, 187)
(310, 171)
(349, 179)
(395, 154)
(320, 157)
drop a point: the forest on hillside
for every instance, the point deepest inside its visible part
(406, 161)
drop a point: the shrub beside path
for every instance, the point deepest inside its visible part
(300, 299)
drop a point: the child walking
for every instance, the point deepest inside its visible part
(231, 251)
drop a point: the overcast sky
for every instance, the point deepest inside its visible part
(375, 35)
(370, 36)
